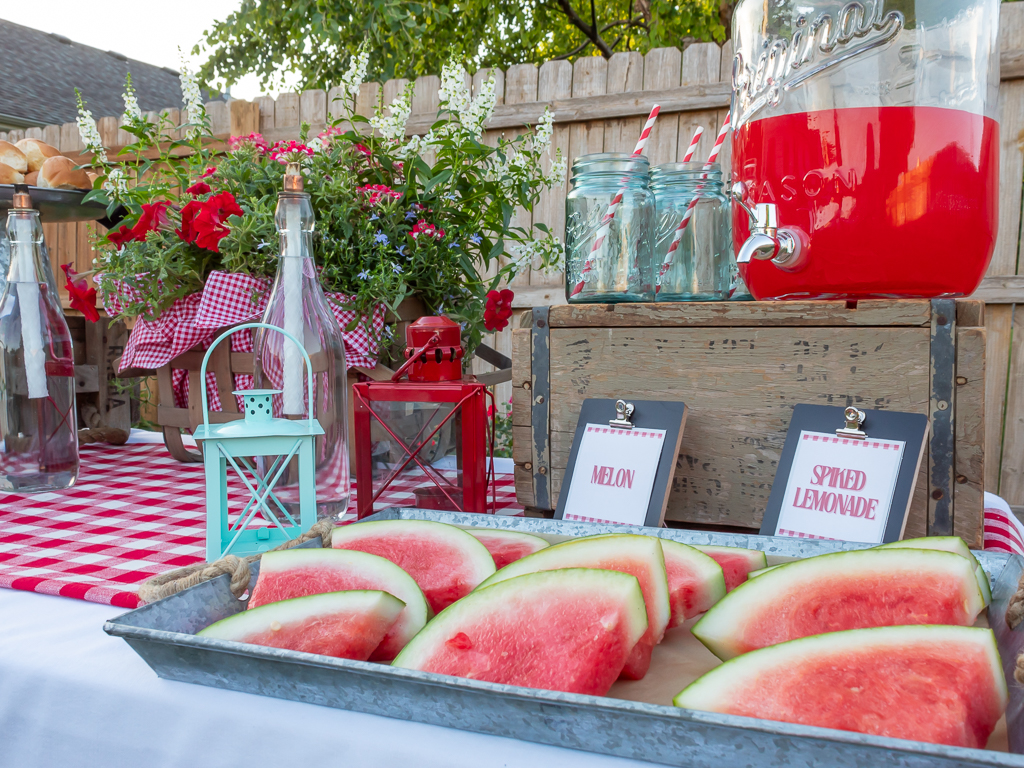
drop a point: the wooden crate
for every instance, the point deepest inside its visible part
(103, 401)
(741, 367)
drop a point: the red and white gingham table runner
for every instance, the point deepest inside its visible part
(134, 513)
(227, 298)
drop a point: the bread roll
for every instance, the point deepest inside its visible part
(32, 178)
(36, 152)
(10, 176)
(59, 173)
(12, 156)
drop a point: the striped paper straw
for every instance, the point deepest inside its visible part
(606, 222)
(693, 144)
(678, 236)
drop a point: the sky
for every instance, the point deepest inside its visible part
(146, 30)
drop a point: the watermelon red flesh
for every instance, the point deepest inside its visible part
(446, 562)
(928, 683)
(736, 563)
(695, 581)
(640, 556)
(508, 546)
(566, 630)
(346, 625)
(952, 544)
(843, 590)
(291, 573)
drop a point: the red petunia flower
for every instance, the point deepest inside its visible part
(254, 140)
(378, 193)
(199, 188)
(209, 171)
(498, 310)
(83, 298)
(289, 152)
(362, 149)
(153, 216)
(426, 229)
(204, 222)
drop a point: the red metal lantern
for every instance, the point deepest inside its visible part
(428, 434)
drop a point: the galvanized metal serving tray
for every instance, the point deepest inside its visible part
(162, 633)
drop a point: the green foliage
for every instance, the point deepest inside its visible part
(313, 38)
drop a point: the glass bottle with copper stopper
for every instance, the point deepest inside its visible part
(38, 421)
(298, 305)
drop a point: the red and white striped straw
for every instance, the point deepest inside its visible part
(678, 236)
(606, 221)
(693, 144)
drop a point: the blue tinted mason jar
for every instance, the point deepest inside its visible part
(621, 268)
(701, 267)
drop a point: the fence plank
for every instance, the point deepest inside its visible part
(625, 73)
(107, 127)
(589, 78)
(35, 132)
(339, 103)
(267, 105)
(702, 63)
(1011, 171)
(244, 117)
(313, 107)
(286, 111)
(51, 135)
(17, 135)
(70, 141)
(662, 69)
(393, 89)
(366, 101)
(998, 323)
(554, 81)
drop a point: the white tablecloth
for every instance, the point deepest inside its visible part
(72, 696)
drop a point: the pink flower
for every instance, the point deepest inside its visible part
(379, 193)
(209, 172)
(427, 230)
(362, 149)
(199, 188)
(253, 140)
(498, 310)
(289, 152)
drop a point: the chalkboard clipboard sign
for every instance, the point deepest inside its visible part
(621, 464)
(846, 474)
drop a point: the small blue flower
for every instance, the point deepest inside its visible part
(475, 239)
(401, 250)
(410, 215)
(374, 217)
(396, 268)
(381, 238)
(364, 275)
(450, 196)
(453, 245)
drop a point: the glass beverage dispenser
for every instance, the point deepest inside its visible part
(865, 157)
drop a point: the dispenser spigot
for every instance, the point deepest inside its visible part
(767, 241)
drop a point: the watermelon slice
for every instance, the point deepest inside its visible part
(695, 581)
(508, 546)
(346, 625)
(942, 685)
(291, 573)
(736, 562)
(567, 630)
(446, 562)
(842, 590)
(640, 556)
(952, 544)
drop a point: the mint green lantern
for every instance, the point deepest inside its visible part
(233, 445)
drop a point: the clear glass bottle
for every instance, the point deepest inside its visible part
(298, 305)
(694, 263)
(38, 421)
(620, 268)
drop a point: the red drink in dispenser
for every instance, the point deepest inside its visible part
(866, 147)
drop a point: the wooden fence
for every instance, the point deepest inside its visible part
(600, 106)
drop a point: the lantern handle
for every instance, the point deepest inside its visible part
(242, 327)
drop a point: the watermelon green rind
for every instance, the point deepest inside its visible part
(583, 552)
(573, 585)
(953, 544)
(755, 559)
(307, 609)
(701, 569)
(368, 571)
(742, 680)
(763, 571)
(474, 561)
(722, 628)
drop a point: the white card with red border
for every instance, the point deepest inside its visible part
(614, 475)
(840, 488)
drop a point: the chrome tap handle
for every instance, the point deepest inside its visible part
(739, 191)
